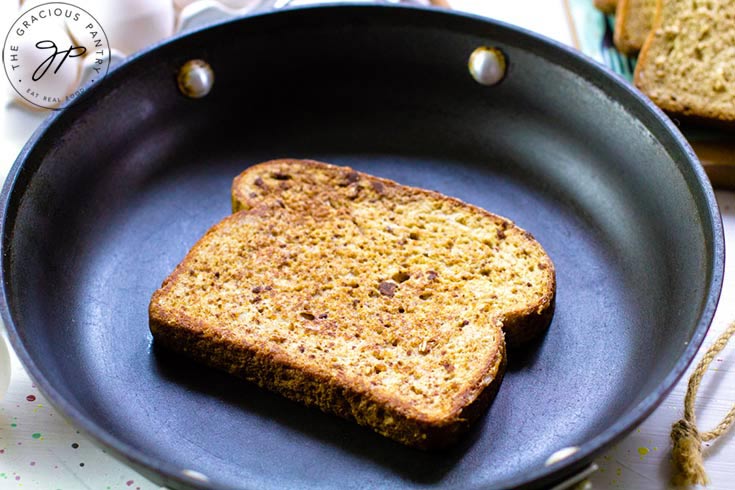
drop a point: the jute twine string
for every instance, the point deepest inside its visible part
(687, 440)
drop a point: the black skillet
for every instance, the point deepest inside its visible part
(110, 193)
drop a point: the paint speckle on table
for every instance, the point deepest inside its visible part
(642, 451)
(49, 454)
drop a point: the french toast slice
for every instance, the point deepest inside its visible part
(381, 303)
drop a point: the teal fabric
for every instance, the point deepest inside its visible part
(595, 34)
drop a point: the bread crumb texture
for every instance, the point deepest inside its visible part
(379, 302)
(688, 64)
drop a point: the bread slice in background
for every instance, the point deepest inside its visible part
(380, 303)
(606, 6)
(687, 65)
(633, 23)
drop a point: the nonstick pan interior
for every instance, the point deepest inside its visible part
(111, 193)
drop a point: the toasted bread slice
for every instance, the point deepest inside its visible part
(687, 65)
(633, 22)
(377, 302)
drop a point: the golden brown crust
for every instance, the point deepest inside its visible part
(525, 326)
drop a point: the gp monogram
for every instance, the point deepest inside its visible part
(52, 53)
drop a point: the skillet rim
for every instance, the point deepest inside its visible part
(551, 50)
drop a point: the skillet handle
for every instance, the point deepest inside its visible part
(207, 12)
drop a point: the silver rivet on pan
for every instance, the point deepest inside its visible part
(562, 453)
(487, 65)
(578, 481)
(195, 78)
(195, 475)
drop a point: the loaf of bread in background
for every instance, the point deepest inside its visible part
(606, 6)
(380, 303)
(633, 23)
(687, 65)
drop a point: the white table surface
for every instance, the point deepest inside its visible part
(41, 451)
